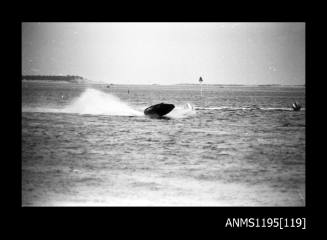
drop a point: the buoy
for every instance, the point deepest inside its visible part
(296, 106)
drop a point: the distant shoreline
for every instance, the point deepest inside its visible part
(82, 80)
(158, 85)
(54, 78)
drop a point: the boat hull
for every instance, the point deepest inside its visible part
(159, 110)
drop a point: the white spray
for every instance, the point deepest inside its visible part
(99, 103)
(92, 102)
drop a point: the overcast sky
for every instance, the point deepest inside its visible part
(167, 53)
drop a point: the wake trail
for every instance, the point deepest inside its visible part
(247, 108)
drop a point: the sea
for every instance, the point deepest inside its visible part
(92, 145)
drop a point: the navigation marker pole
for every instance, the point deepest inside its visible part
(200, 81)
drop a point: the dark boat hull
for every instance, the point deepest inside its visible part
(159, 110)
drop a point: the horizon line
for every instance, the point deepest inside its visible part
(217, 84)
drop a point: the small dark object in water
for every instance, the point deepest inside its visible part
(296, 106)
(159, 110)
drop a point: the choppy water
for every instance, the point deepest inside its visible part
(92, 145)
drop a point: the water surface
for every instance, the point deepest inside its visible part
(92, 145)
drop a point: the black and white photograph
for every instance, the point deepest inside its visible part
(163, 114)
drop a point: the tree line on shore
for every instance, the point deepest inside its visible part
(53, 77)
